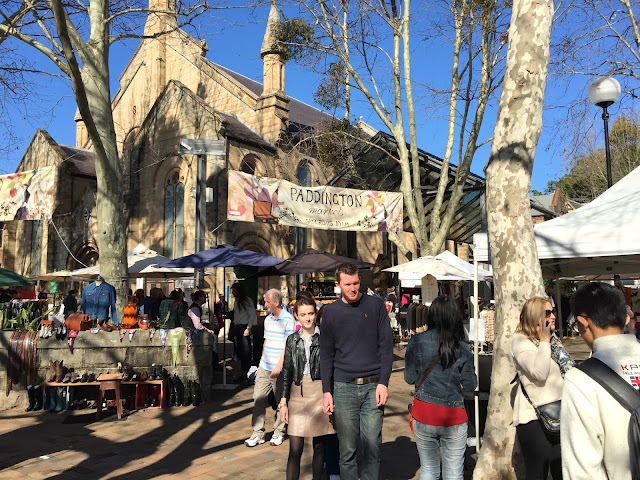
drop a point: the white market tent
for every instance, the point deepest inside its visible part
(600, 238)
(410, 274)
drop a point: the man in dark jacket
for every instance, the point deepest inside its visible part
(356, 353)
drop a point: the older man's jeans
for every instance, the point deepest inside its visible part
(358, 417)
(430, 440)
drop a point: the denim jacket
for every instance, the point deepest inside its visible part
(98, 299)
(443, 386)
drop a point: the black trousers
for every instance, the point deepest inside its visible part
(244, 347)
(540, 451)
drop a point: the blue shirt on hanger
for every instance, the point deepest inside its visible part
(97, 300)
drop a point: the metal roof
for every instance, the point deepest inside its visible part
(382, 171)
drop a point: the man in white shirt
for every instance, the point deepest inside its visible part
(593, 424)
(277, 327)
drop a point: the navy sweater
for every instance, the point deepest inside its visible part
(355, 341)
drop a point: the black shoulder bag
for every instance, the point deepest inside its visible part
(624, 394)
(548, 414)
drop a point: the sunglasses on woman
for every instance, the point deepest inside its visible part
(548, 313)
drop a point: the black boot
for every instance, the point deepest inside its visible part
(187, 394)
(32, 399)
(196, 394)
(37, 394)
(172, 393)
(153, 372)
(179, 390)
(159, 372)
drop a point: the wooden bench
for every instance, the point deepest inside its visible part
(142, 388)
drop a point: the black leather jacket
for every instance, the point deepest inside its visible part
(295, 360)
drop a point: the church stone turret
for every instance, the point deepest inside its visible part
(274, 104)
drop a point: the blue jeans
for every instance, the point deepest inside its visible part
(452, 441)
(358, 418)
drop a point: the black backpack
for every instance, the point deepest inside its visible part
(627, 396)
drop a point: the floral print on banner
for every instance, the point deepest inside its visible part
(27, 195)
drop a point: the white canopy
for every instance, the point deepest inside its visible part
(140, 261)
(430, 265)
(600, 238)
(411, 273)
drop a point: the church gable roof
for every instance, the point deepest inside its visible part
(231, 126)
(301, 115)
(79, 160)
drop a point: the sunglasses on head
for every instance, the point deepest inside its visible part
(548, 313)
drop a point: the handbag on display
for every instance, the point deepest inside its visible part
(548, 414)
(78, 321)
(424, 377)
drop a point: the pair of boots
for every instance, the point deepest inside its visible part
(35, 397)
(156, 372)
(179, 394)
(56, 400)
(56, 371)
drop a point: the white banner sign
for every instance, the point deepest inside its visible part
(271, 200)
(27, 195)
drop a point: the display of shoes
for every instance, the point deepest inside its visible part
(276, 440)
(253, 441)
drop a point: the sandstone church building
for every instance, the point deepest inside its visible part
(170, 90)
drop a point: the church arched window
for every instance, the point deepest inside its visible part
(174, 216)
(304, 173)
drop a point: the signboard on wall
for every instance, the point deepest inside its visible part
(27, 195)
(272, 200)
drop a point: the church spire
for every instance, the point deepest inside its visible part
(273, 75)
(161, 18)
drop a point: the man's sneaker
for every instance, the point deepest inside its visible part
(276, 440)
(254, 440)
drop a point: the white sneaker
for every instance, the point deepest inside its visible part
(253, 441)
(276, 440)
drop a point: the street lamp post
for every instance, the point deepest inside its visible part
(604, 92)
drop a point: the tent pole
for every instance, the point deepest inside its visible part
(559, 305)
(224, 331)
(476, 317)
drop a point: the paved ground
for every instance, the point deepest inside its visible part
(193, 442)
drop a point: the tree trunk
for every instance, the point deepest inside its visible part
(112, 228)
(517, 274)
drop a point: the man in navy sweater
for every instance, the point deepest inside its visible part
(356, 353)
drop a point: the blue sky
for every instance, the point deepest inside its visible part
(244, 57)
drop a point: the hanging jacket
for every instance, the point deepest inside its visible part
(295, 359)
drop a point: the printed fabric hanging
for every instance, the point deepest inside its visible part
(175, 334)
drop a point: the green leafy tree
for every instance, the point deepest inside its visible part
(587, 177)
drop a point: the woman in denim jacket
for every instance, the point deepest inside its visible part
(440, 420)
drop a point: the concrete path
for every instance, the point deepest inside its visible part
(190, 442)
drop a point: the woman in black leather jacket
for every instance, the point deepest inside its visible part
(301, 404)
